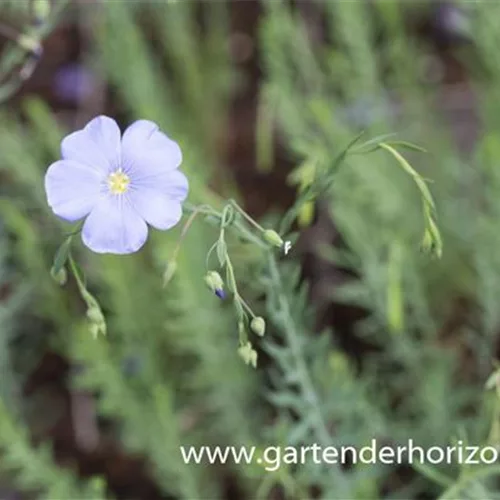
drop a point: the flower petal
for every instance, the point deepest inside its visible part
(173, 184)
(156, 208)
(146, 151)
(98, 145)
(114, 226)
(72, 189)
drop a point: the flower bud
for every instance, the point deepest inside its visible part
(258, 326)
(273, 238)
(431, 241)
(98, 328)
(60, 277)
(30, 44)
(215, 283)
(169, 272)
(248, 354)
(95, 315)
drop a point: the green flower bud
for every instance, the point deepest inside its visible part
(95, 315)
(94, 329)
(97, 329)
(60, 277)
(29, 43)
(253, 358)
(431, 241)
(258, 326)
(248, 354)
(169, 272)
(215, 283)
(273, 238)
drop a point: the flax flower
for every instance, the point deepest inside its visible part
(118, 184)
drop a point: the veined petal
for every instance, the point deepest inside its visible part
(98, 145)
(173, 184)
(72, 189)
(155, 208)
(146, 151)
(114, 226)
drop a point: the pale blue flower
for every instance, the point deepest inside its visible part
(120, 184)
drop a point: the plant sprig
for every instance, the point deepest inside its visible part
(63, 259)
(232, 217)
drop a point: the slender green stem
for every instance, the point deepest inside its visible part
(239, 227)
(76, 274)
(205, 209)
(92, 303)
(207, 258)
(197, 211)
(232, 278)
(232, 281)
(247, 307)
(252, 221)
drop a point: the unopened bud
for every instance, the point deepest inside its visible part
(94, 329)
(60, 277)
(169, 272)
(95, 315)
(30, 44)
(431, 241)
(215, 283)
(273, 238)
(248, 354)
(258, 326)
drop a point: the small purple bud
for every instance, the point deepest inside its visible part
(214, 281)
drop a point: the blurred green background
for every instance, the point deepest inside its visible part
(366, 337)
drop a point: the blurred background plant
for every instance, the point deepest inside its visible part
(365, 336)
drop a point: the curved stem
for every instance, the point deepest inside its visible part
(196, 211)
(247, 307)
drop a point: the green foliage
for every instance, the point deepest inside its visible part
(168, 372)
(35, 469)
(409, 300)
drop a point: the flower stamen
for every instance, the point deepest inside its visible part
(118, 182)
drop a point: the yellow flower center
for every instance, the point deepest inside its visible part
(118, 182)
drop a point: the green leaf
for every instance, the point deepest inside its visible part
(61, 256)
(221, 251)
(407, 145)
